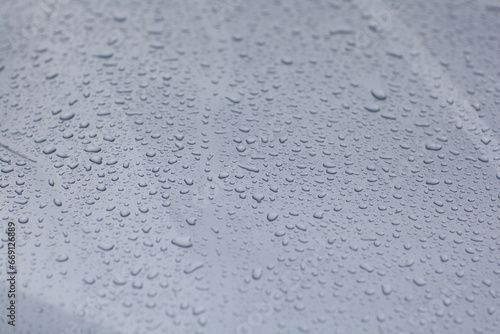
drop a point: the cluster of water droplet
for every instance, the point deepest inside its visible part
(192, 172)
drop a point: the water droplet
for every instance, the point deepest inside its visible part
(182, 241)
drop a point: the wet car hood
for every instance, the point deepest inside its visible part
(251, 167)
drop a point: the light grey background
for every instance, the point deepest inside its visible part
(251, 166)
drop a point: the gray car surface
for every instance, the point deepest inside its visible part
(229, 166)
